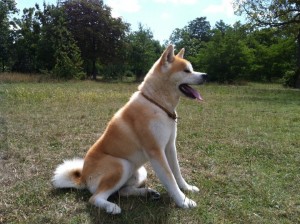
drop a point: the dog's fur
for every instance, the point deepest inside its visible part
(141, 131)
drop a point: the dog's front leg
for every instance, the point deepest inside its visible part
(171, 154)
(163, 171)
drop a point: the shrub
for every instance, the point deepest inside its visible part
(289, 78)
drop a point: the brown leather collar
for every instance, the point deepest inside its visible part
(171, 115)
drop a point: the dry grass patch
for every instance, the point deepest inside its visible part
(13, 77)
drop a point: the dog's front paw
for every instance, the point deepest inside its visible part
(190, 188)
(188, 203)
(193, 188)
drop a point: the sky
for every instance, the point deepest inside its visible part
(162, 16)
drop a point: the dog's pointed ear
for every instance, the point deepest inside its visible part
(168, 55)
(181, 53)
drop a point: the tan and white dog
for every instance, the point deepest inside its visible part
(143, 130)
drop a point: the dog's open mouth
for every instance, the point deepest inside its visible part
(190, 92)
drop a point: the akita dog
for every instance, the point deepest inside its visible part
(143, 130)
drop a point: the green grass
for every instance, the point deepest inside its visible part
(241, 147)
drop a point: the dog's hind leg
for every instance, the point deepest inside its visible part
(111, 182)
(136, 185)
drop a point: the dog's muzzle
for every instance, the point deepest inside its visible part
(204, 77)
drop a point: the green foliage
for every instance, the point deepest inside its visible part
(44, 43)
(192, 37)
(289, 78)
(113, 71)
(224, 57)
(270, 13)
(98, 35)
(143, 51)
(49, 18)
(68, 66)
(199, 29)
(273, 54)
(68, 60)
(276, 13)
(79, 36)
(7, 7)
(26, 40)
(239, 52)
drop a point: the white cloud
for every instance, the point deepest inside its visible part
(185, 2)
(224, 8)
(165, 16)
(120, 6)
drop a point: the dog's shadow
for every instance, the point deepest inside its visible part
(134, 209)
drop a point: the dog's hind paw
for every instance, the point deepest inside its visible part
(113, 209)
(154, 195)
(109, 207)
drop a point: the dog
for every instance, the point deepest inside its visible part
(142, 130)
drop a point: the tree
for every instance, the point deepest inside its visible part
(98, 35)
(192, 37)
(274, 13)
(224, 57)
(48, 18)
(272, 53)
(222, 27)
(181, 39)
(57, 49)
(142, 51)
(27, 37)
(68, 63)
(199, 29)
(7, 7)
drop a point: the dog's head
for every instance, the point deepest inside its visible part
(173, 71)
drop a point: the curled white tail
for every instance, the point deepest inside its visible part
(68, 174)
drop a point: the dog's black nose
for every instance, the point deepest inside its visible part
(204, 76)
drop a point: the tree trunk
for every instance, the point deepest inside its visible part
(94, 70)
(297, 82)
(139, 75)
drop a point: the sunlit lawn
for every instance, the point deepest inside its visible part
(241, 147)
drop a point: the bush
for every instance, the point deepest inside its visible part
(289, 78)
(68, 66)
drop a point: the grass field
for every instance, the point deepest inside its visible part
(241, 147)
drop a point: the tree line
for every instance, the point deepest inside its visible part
(80, 39)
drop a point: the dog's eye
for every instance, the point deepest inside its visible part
(187, 71)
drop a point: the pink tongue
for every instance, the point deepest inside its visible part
(197, 95)
(194, 92)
